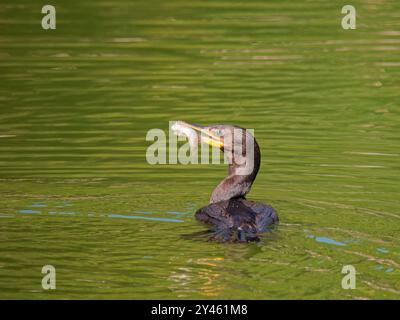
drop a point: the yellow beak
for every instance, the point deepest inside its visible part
(214, 143)
(208, 137)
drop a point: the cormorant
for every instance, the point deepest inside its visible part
(231, 215)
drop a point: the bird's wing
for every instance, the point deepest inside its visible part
(265, 215)
(215, 214)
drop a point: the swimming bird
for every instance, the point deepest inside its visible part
(231, 216)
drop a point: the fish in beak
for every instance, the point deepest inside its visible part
(202, 133)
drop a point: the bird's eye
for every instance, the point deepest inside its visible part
(218, 132)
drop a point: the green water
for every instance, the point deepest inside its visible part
(77, 193)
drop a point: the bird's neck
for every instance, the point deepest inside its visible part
(239, 180)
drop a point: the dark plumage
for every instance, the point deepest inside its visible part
(232, 217)
(237, 219)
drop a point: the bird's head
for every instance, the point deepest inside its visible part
(238, 144)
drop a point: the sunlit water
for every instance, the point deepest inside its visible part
(76, 190)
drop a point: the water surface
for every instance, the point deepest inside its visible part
(77, 193)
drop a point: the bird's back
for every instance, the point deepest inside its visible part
(238, 218)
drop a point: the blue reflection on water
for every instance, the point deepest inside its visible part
(326, 240)
(381, 267)
(329, 241)
(28, 211)
(382, 250)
